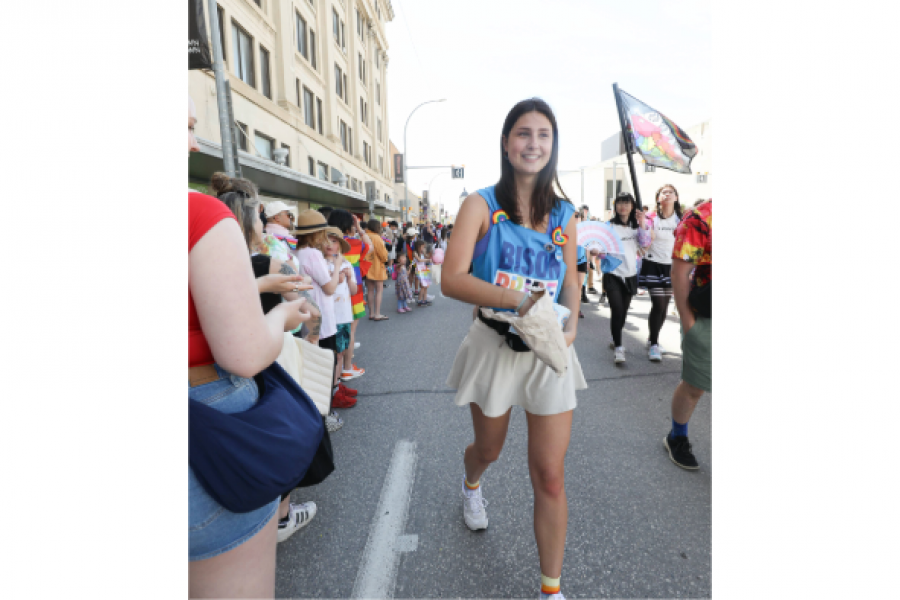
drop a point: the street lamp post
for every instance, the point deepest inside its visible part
(406, 149)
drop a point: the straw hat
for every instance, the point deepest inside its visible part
(345, 245)
(309, 221)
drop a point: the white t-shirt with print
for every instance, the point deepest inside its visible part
(660, 250)
(343, 307)
(630, 245)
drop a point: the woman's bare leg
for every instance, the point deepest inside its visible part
(490, 434)
(548, 440)
(247, 571)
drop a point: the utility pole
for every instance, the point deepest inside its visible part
(221, 91)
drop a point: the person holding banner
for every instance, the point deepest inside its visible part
(621, 284)
(656, 270)
(514, 234)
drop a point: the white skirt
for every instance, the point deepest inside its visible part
(492, 375)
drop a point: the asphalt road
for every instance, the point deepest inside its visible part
(639, 527)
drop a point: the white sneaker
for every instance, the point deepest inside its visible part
(655, 353)
(661, 349)
(333, 422)
(620, 355)
(473, 508)
(356, 345)
(429, 298)
(556, 596)
(299, 516)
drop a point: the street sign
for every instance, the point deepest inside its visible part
(398, 168)
(457, 172)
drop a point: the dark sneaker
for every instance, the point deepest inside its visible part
(592, 290)
(603, 298)
(584, 298)
(680, 452)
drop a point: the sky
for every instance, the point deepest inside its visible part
(484, 56)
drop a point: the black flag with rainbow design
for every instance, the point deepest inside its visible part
(657, 139)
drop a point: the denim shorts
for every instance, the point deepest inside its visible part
(213, 529)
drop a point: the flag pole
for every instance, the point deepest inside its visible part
(628, 149)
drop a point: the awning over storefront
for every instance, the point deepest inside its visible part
(275, 179)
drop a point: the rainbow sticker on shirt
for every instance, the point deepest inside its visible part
(498, 216)
(559, 238)
(291, 241)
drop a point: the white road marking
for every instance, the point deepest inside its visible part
(378, 570)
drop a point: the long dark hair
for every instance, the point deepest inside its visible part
(678, 210)
(544, 197)
(632, 218)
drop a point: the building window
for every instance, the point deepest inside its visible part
(221, 14)
(264, 145)
(381, 164)
(338, 29)
(649, 168)
(243, 50)
(258, 3)
(362, 68)
(379, 130)
(301, 35)
(346, 90)
(241, 136)
(363, 111)
(312, 48)
(338, 81)
(359, 25)
(264, 68)
(323, 171)
(377, 58)
(319, 115)
(344, 136)
(378, 92)
(350, 139)
(701, 177)
(312, 166)
(367, 154)
(309, 116)
(287, 159)
(299, 97)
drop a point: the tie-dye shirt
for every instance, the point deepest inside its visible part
(693, 242)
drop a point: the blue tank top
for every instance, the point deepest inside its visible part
(513, 256)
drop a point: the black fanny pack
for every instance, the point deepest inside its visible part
(700, 299)
(512, 340)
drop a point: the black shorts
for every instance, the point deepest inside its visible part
(582, 268)
(330, 343)
(629, 284)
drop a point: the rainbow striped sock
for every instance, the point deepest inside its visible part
(472, 486)
(549, 585)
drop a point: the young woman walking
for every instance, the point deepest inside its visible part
(621, 284)
(516, 233)
(656, 269)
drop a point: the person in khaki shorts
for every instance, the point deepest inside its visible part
(692, 288)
